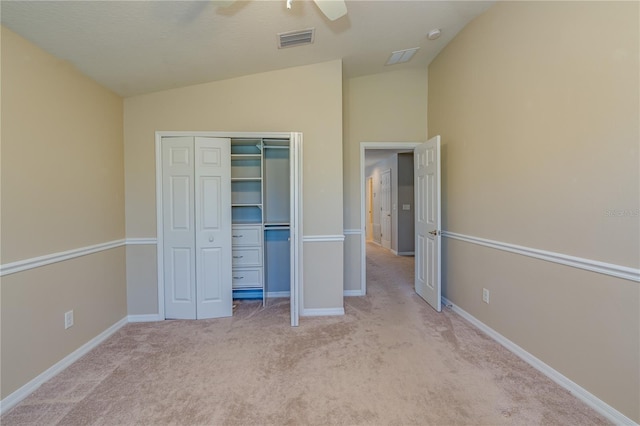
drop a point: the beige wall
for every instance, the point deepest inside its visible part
(307, 99)
(62, 165)
(62, 189)
(387, 107)
(540, 134)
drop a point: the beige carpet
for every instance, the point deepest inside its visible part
(391, 360)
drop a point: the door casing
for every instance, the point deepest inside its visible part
(363, 191)
(296, 210)
(386, 209)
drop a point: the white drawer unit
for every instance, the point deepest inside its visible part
(246, 235)
(246, 256)
(247, 278)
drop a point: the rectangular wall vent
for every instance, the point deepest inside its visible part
(295, 38)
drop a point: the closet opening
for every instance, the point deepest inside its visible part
(229, 221)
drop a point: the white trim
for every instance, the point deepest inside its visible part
(363, 195)
(48, 259)
(216, 134)
(145, 318)
(142, 241)
(278, 294)
(159, 225)
(295, 221)
(322, 238)
(350, 293)
(36, 262)
(322, 312)
(406, 253)
(578, 391)
(611, 269)
(55, 369)
(352, 232)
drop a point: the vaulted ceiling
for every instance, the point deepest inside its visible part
(135, 47)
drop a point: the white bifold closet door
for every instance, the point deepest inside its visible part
(196, 192)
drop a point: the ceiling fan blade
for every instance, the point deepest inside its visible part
(333, 9)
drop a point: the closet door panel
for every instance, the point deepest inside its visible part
(178, 228)
(213, 227)
(210, 193)
(211, 274)
(180, 278)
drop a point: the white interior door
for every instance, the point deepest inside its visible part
(427, 218)
(196, 212)
(385, 209)
(178, 228)
(295, 225)
(213, 227)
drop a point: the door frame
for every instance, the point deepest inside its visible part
(295, 171)
(386, 198)
(368, 226)
(363, 181)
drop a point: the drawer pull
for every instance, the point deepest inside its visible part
(238, 278)
(238, 257)
(237, 236)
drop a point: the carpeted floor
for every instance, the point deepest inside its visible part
(391, 360)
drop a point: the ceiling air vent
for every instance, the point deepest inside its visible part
(295, 38)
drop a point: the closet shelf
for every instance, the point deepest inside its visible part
(246, 205)
(246, 179)
(246, 157)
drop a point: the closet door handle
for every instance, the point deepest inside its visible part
(211, 239)
(237, 236)
(238, 257)
(238, 278)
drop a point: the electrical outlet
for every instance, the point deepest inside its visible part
(68, 319)
(485, 295)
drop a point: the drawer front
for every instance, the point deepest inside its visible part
(250, 256)
(247, 278)
(246, 236)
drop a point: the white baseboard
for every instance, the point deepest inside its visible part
(349, 293)
(313, 312)
(145, 318)
(578, 391)
(406, 253)
(55, 369)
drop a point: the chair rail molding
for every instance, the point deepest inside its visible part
(142, 241)
(322, 238)
(48, 259)
(618, 271)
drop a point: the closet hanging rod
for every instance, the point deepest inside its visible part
(275, 147)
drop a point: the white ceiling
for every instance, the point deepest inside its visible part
(135, 47)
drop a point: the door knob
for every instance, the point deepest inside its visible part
(434, 232)
(211, 239)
